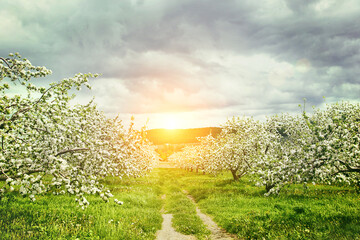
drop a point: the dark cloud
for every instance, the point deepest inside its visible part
(229, 57)
(300, 6)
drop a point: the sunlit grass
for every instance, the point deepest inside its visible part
(59, 217)
(183, 209)
(321, 212)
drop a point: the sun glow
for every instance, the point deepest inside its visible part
(171, 122)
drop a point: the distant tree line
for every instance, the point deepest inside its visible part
(179, 136)
(318, 148)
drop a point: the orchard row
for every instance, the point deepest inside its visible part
(50, 145)
(322, 147)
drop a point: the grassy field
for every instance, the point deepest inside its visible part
(183, 209)
(321, 212)
(59, 217)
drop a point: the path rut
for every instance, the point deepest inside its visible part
(216, 232)
(167, 232)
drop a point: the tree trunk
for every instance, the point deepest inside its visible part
(235, 176)
(269, 186)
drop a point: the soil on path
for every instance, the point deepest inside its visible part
(167, 232)
(216, 232)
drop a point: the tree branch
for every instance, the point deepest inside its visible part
(61, 175)
(12, 105)
(14, 116)
(46, 92)
(267, 149)
(344, 163)
(25, 109)
(357, 170)
(7, 63)
(41, 130)
(3, 178)
(2, 170)
(71, 150)
(349, 168)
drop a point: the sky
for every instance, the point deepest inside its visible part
(193, 63)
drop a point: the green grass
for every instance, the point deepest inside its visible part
(321, 212)
(59, 217)
(183, 209)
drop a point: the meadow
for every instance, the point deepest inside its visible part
(318, 212)
(60, 217)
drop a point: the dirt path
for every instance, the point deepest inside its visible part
(216, 232)
(167, 232)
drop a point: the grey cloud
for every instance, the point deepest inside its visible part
(163, 55)
(300, 6)
(324, 41)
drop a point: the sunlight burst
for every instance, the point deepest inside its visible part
(171, 122)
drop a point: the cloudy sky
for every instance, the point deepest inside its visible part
(193, 63)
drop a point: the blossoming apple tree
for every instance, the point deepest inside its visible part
(332, 153)
(320, 148)
(196, 157)
(238, 146)
(281, 162)
(186, 159)
(42, 134)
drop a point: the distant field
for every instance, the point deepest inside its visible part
(321, 212)
(179, 136)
